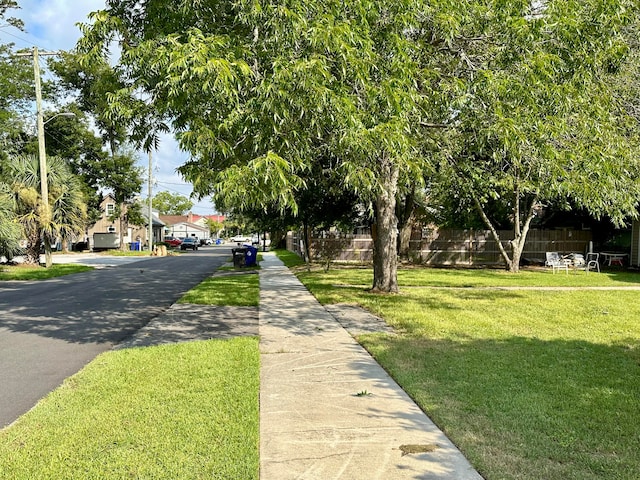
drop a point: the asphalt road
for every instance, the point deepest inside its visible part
(50, 329)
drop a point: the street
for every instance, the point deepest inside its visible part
(50, 329)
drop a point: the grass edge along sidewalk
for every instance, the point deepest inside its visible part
(529, 384)
(186, 410)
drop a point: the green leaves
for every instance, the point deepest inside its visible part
(266, 180)
(67, 209)
(168, 203)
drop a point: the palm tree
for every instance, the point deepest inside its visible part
(67, 212)
(10, 231)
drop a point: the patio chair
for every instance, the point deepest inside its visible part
(556, 262)
(593, 261)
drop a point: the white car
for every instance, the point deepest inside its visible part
(241, 239)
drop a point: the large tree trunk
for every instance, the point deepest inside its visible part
(385, 239)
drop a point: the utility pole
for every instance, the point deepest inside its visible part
(150, 206)
(42, 154)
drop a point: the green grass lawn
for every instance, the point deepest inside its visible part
(235, 289)
(28, 272)
(183, 411)
(530, 384)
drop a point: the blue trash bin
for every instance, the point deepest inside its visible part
(135, 246)
(250, 255)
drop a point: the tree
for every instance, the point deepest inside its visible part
(215, 227)
(10, 233)
(72, 139)
(121, 176)
(67, 213)
(94, 83)
(323, 202)
(537, 120)
(260, 92)
(16, 88)
(168, 203)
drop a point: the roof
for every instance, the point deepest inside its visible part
(173, 219)
(156, 222)
(192, 226)
(190, 218)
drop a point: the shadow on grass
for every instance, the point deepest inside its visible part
(523, 407)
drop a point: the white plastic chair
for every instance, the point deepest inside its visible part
(593, 261)
(556, 262)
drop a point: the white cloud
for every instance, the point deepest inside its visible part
(51, 24)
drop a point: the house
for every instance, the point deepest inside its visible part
(187, 229)
(189, 225)
(104, 225)
(140, 233)
(132, 233)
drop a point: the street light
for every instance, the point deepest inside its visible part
(61, 114)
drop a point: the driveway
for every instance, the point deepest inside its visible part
(96, 260)
(50, 329)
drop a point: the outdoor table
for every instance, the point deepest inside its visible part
(612, 258)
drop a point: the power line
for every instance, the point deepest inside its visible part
(20, 38)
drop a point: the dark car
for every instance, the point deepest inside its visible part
(190, 242)
(172, 241)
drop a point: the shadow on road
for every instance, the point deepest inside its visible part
(103, 306)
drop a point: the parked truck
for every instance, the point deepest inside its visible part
(106, 241)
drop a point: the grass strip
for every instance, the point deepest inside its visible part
(476, 278)
(32, 272)
(529, 384)
(290, 259)
(187, 411)
(234, 289)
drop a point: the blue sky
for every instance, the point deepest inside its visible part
(51, 25)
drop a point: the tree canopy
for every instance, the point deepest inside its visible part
(537, 120)
(502, 100)
(168, 203)
(16, 88)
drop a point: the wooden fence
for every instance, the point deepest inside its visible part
(432, 246)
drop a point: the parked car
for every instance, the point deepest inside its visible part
(241, 239)
(190, 242)
(205, 241)
(173, 241)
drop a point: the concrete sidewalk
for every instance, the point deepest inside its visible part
(313, 423)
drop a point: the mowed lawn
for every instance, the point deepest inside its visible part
(182, 411)
(530, 384)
